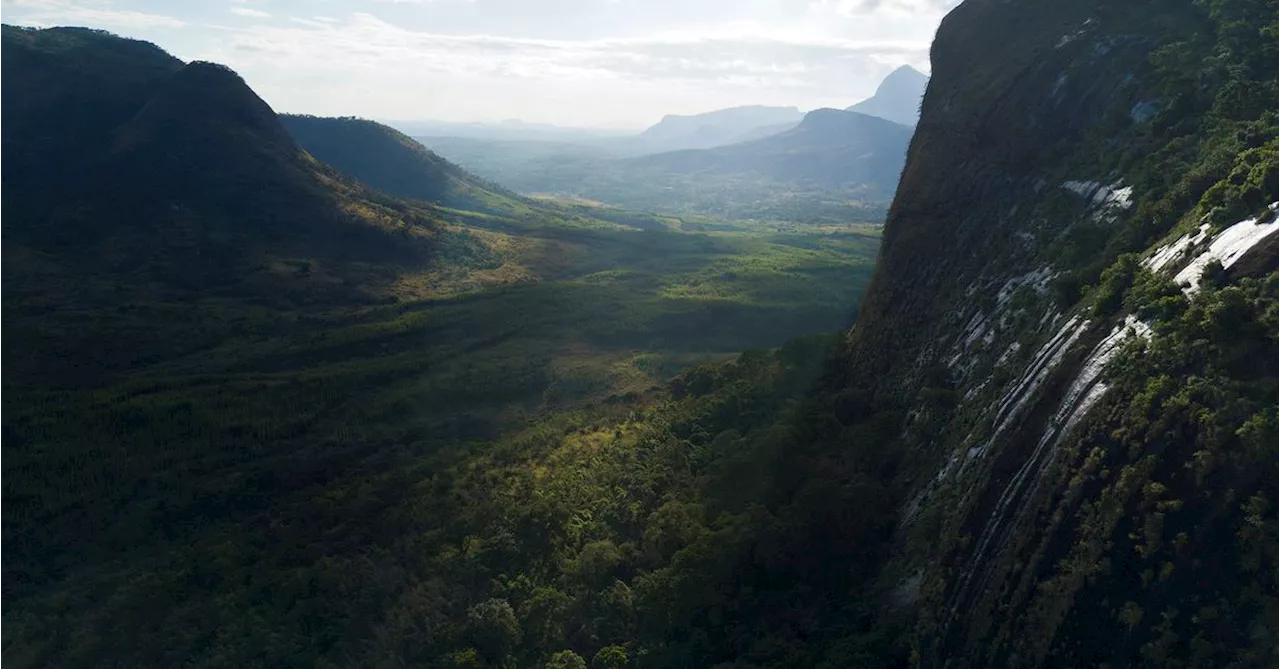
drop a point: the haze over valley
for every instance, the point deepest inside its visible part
(753, 162)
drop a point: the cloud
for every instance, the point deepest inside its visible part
(885, 7)
(430, 65)
(44, 13)
(566, 61)
(737, 55)
(254, 13)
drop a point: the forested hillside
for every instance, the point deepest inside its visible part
(388, 160)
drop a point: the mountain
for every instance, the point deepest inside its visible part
(715, 128)
(829, 146)
(897, 98)
(389, 160)
(121, 130)
(761, 163)
(833, 166)
(508, 130)
(1087, 412)
(211, 336)
(134, 176)
(1048, 439)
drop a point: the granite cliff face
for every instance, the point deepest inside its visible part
(1090, 430)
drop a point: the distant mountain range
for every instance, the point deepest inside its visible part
(750, 161)
(897, 98)
(830, 147)
(827, 167)
(508, 130)
(717, 128)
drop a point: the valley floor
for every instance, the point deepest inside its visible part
(234, 423)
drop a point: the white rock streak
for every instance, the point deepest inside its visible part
(1227, 247)
(1171, 252)
(1083, 393)
(1104, 200)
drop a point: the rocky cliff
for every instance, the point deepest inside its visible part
(1074, 308)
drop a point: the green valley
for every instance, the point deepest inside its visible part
(178, 372)
(296, 391)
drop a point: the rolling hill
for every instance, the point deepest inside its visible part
(391, 161)
(388, 160)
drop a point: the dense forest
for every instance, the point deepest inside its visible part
(208, 328)
(495, 432)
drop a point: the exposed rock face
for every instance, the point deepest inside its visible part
(1060, 509)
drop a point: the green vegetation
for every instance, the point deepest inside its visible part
(388, 160)
(805, 197)
(1175, 476)
(1141, 541)
(227, 367)
(651, 535)
(552, 434)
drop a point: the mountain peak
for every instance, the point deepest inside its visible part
(201, 101)
(903, 77)
(897, 97)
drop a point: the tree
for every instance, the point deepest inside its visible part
(566, 659)
(610, 657)
(493, 628)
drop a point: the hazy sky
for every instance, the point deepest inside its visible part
(603, 63)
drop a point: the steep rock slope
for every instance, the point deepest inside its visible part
(1089, 450)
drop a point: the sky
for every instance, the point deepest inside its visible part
(582, 63)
